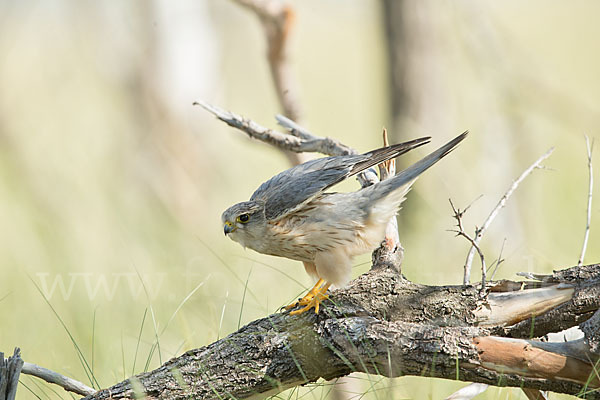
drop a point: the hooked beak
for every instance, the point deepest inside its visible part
(228, 228)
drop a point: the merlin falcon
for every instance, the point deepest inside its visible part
(291, 215)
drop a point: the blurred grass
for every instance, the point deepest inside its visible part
(113, 183)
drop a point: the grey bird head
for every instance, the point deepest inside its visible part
(244, 222)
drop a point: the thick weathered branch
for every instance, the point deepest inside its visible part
(383, 324)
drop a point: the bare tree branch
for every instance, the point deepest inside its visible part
(383, 324)
(299, 141)
(590, 149)
(498, 261)
(305, 143)
(293, 128)
(13, 366)
(496, 210)
(65, 382)
(458, 214)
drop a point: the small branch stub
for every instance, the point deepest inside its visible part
(10, 369)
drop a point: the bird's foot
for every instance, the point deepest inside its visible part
(301, 302)
(308, 297)
(317, 298)
(314, 302)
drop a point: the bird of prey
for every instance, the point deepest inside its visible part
(291, 215)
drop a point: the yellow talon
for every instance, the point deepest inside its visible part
(309, 296)
(312, 299)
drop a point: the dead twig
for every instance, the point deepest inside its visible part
(590, 149)
(498, 261)
(387, 170)
(69, 384)
(293, 128)
(458, 214)
(13, 366)
(301, 142)
(305, 143)
(495, 211)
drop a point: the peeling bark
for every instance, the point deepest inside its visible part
(581, 307)
(527, 358)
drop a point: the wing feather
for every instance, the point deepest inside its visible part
(289, 190)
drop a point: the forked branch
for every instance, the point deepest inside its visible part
(298, 139)
(460, 231)
(495, 211)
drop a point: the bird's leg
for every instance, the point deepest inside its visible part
(308, 297)
(315, 301)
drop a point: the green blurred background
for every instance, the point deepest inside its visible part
(112, 183)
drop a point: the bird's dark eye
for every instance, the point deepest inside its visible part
(243, 218)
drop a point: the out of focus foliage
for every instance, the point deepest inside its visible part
(112, 183)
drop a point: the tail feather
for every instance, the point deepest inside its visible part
(382, 154)
(407, 176)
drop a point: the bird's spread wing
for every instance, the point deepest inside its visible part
(289, 190)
